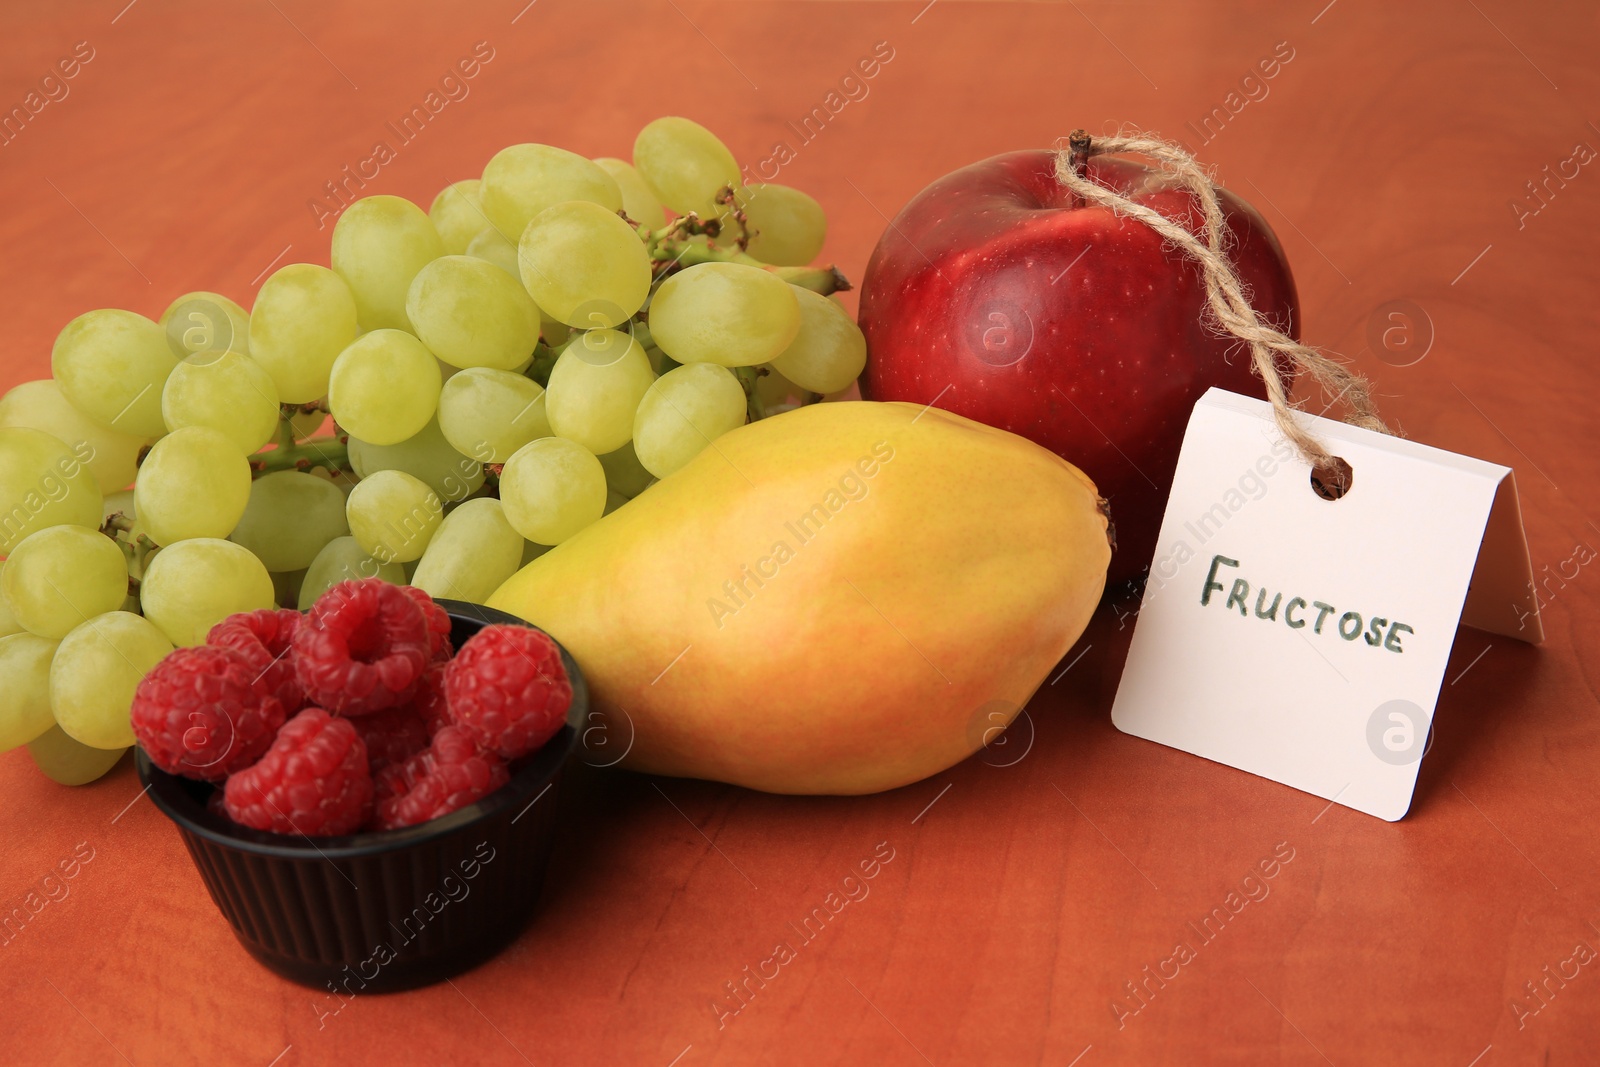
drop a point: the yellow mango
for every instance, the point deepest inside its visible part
(832, 600)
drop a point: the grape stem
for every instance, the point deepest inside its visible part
(544, 361)
(284, 436)
(753, 406)
(673, 254)
(682, 228)
(671, 249)
(329, 453)
(136, 550)
(726, 196)
(824, 281)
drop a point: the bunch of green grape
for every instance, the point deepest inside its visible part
(531, 353)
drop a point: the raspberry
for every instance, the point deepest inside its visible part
(312, 781)
(198, 713)
(447, 776)
(362, 648)
(391, 736)
(265, 637)
(430, 701)
(508, 687)
(438, 623)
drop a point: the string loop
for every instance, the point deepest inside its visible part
(1225, 294)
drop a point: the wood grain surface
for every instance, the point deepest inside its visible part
(1028, 890)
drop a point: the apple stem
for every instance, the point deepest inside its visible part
(1078, 146)
(1227, 305)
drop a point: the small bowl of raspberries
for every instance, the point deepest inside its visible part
(367, 789)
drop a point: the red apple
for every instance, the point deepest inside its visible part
(997, 295)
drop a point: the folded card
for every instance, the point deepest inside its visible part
(1302, 638)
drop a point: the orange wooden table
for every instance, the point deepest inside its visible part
(1393, 151)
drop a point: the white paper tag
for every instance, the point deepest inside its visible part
(1303, 639)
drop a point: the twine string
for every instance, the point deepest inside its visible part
(1225, 293)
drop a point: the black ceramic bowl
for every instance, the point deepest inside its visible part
(390, 910)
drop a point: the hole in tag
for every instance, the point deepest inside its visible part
(1332, 480)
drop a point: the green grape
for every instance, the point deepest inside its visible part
(684, 411)
(95, 671)
(596, 387)
(379, 244)
(473, 553)
(25, 698)
(191, 586)
(290, 518)
(624, 473)
(393, 516)
(457, 214)
(551, 489)
(641, 203)
(224, 391)
(42, 483)
(524, 179)
(343, 560)
(828, 352)
(8, 622)
(194, 483)
(584, 266)
(789, 226)
(112, 457)
(67, 762)
(774, 389)
(201, 322)
(304, 317)
(686, 164)
(111, 365)
(384, 387)
(472, 314)
(63, 576)
(491, 247)
(428, 457)
(728, 313)
(489, 414)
